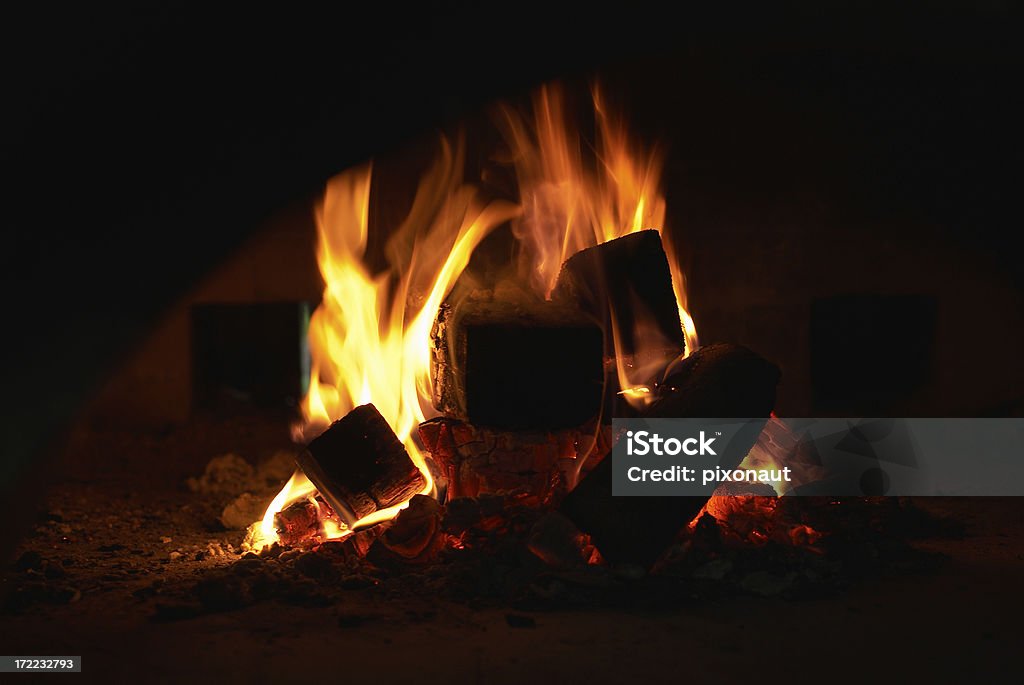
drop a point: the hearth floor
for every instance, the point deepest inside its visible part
(119, 497)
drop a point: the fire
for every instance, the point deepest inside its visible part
(369, 337)
(571, 203)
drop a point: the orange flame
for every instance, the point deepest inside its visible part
(570, 204)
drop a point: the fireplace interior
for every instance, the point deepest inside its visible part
(226, 463)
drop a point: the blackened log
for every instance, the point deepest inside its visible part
(715, 381)
(476, 460)
(516, 364)
(628, 281)
(359, 465)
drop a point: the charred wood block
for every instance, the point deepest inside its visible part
(628, 281)
(359, 465)
(523, 364)
(716, 381)
(532, 465)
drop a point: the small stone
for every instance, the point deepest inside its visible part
(174, 556)
(165, 539)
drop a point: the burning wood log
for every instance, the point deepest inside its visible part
(718, 380)
(535, 465)
(516, 363)
(626, 284)
(359, 465)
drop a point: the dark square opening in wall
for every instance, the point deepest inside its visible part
(869, 352)
(249, 354)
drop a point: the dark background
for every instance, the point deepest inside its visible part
(140, 146)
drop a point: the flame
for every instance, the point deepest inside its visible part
(370, 336)
(571, 202)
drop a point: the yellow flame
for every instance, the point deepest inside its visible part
(370, 336)
(571, 203)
